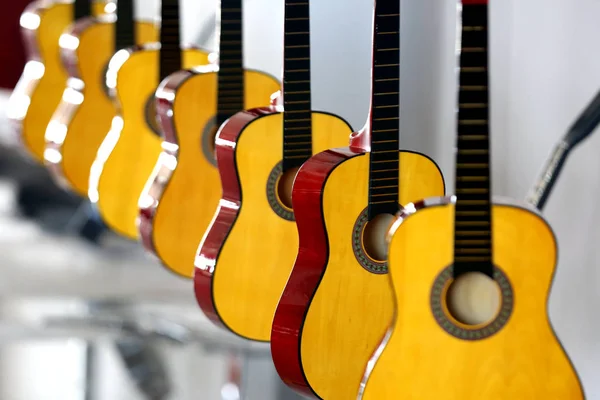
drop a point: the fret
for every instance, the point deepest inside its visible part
(472, 178)
(170, 48)
(472, 218)
(462, 232)
(298, 143)
(472, 213)
(472, 259)
(290, 139)
(391, 179)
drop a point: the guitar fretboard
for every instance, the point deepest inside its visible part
(472, 240)
(82, 8)
(385, 115)
(170, 50)
(297, 121)
(124, 27)
(230, 97)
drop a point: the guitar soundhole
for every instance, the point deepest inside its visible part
(474, 307)
(151, 117)
(370, 253)
(273, 194)
(209, 135)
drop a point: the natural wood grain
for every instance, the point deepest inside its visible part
(54, 19)
(90, 121)
(524, 360)
(192, 193)
(258, 255)
(352, 307)
(120, 171)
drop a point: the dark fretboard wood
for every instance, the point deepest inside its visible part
(230, 93)
(170, 48)
(297, 121)
(473, 238)
(385, 114)
(83, 8)
(124, 27)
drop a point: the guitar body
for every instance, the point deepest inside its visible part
(248, 252)
(129, 152)
(44, 77)
(184, 189)
(334, 310)
(522, 359)
(85, 110)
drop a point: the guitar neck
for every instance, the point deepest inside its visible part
(170, 48)
(124, 27)
(385, 114)
(297, 120)
(82, 8)
(472, 236)
(230, 97)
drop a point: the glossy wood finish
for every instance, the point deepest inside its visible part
(333, 311)
(84, 115)
(247, 254)
(524, 360)
(181, 196)
(129, 152)
(44, 77)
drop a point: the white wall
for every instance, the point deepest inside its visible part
(545, 65)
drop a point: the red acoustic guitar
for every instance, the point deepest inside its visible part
(338, 303)
(247, 253)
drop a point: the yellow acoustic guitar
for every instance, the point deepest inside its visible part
(127, 155)
(84, 115)
(183, 192)
(471, 278)
(337, 303)
(252, 242)
(39, 90)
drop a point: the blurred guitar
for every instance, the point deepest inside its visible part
(85, 112)
(183, 191)
(471, 277)
(44, 77)
(337, 303)
(129, 151)
(583, 127)
(248, 251)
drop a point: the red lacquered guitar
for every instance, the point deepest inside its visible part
(249, 249)
(338, 303)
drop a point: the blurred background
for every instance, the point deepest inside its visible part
(89, 317)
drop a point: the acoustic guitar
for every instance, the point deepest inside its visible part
(183, 191)
(338, 303)
(85, 113)
(585, 124)
(41, 86)
(247, 253)
(471, 277)
(129, 151)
